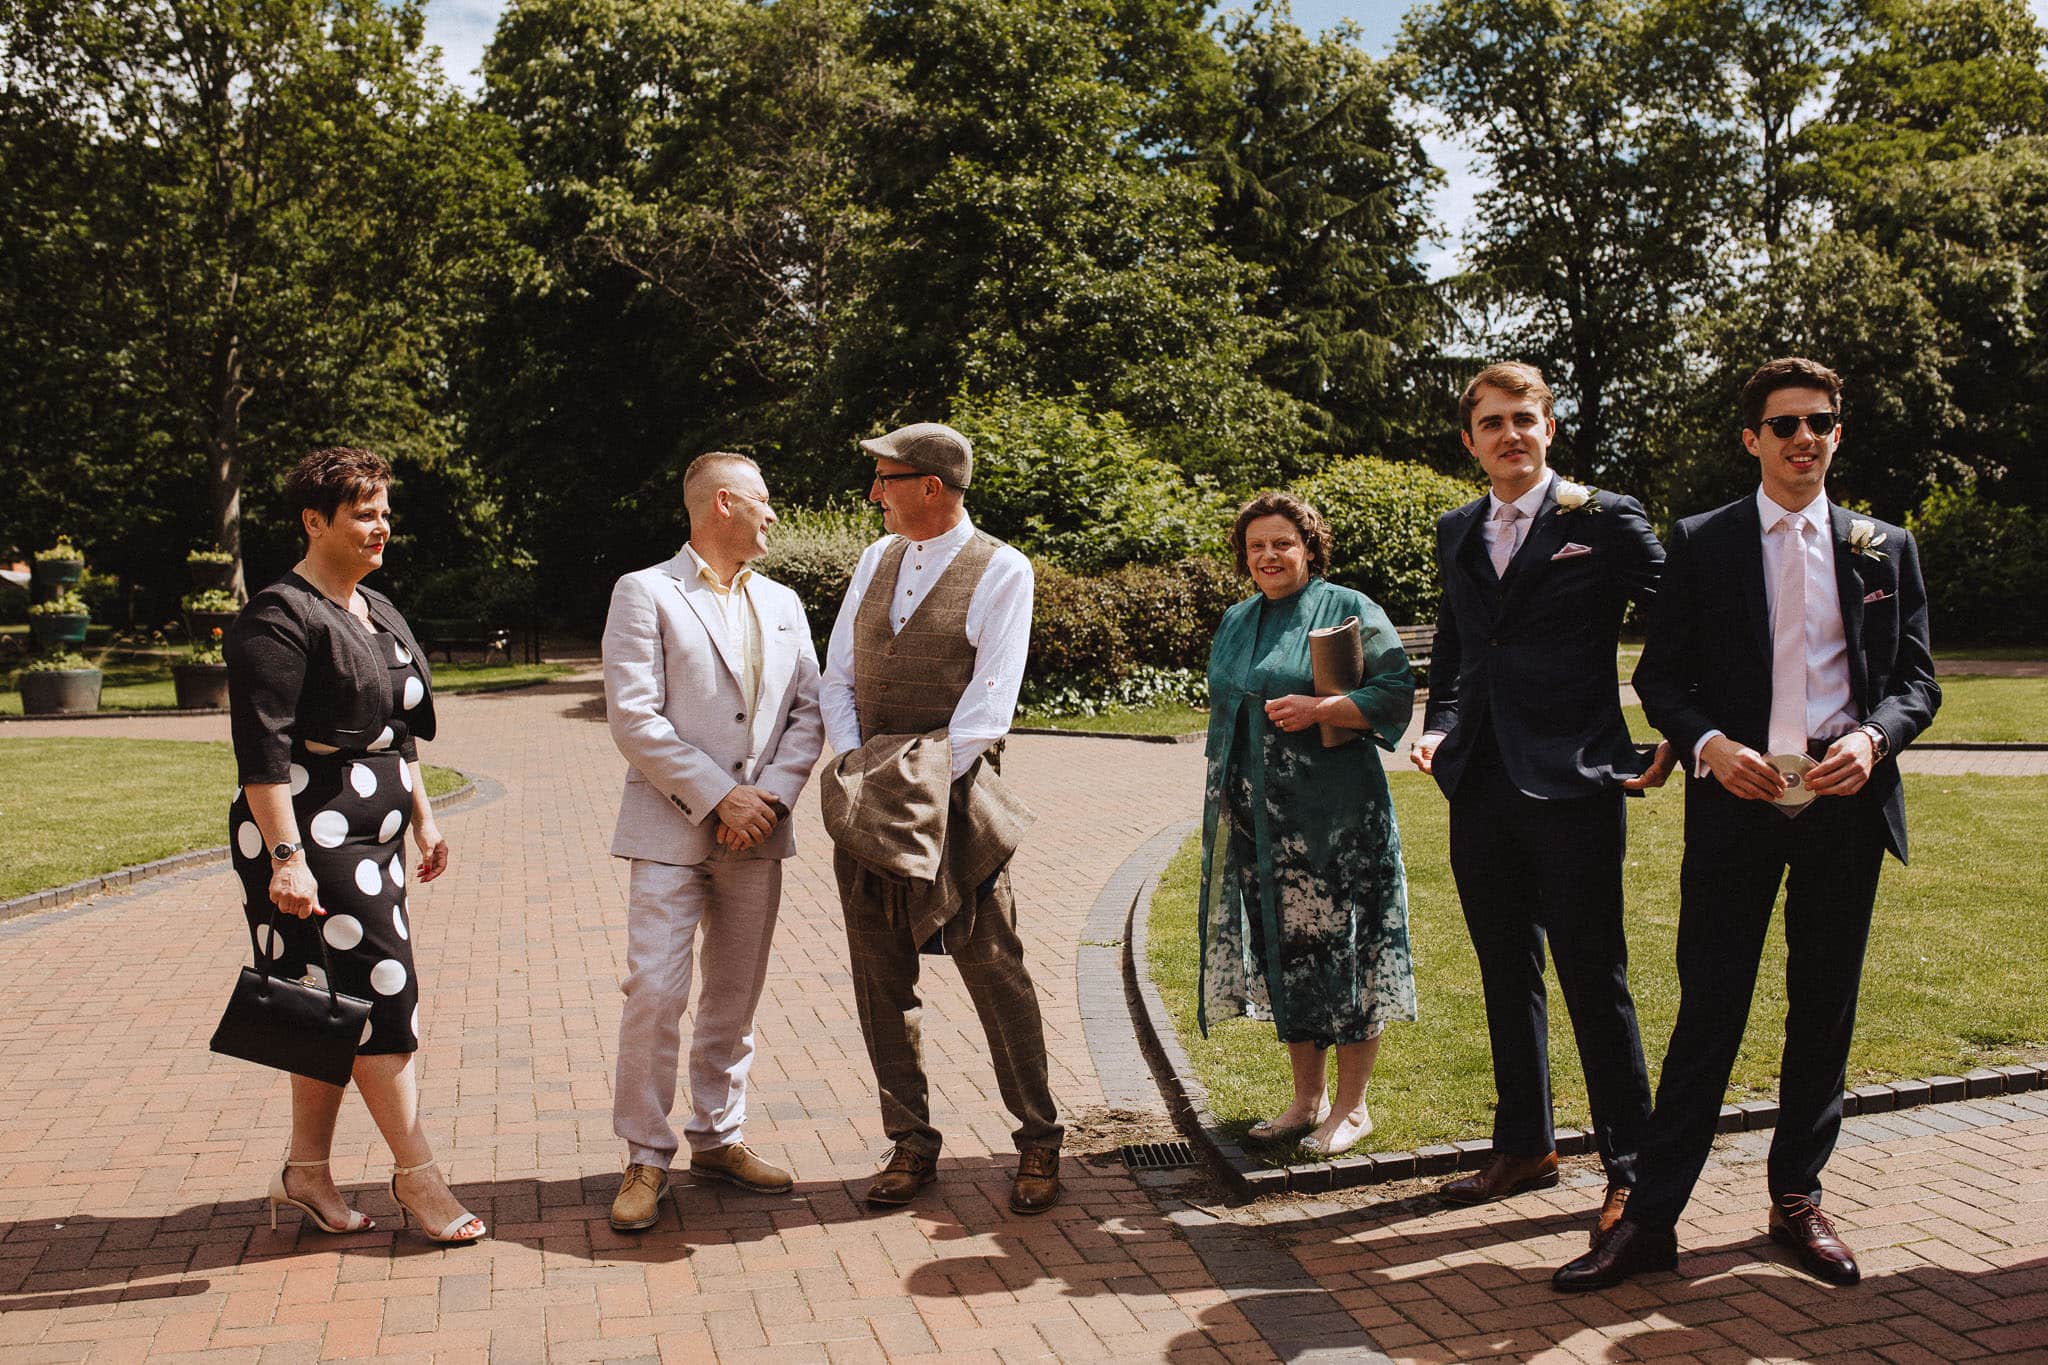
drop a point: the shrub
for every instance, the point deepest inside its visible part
(209, 557)
(63, 604)
(64, 661)
(1093, 630)
(497, 596)
(813, 553)
(62, 552)
(1984, 563)
(1143, 686)
(213, 599)
(1382, 517)
(1082, 488)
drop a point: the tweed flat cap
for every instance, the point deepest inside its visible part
(929, 448)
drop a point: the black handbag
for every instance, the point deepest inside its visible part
(295, 1026)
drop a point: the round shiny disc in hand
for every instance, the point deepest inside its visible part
(1795, 767)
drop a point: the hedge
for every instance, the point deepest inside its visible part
(1382, 517)
(1984, 563)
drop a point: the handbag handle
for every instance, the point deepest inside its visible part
(263, 960)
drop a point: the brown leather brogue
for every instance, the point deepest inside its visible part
(1037, 1186)
(1502, 1176)
(1628, 1249)
(736, 1164)
(908, 1171)
(1610, 1211)
(1798, 1223)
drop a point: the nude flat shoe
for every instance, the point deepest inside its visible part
(1349, 1132)
(1265, 1130)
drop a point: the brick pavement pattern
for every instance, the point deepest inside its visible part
(132, 1160)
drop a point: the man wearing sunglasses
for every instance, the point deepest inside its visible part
(1788, 656)
(921, 680)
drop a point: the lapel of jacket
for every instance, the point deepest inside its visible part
(1467, 549)
(683, 570)
(1749, 577)
(1546, 533)
(1849, 584)
(777, 664)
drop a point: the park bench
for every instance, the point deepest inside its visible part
(1416, 642)
(451, 635)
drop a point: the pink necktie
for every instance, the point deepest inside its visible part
(1788, 642)
(1506, 524)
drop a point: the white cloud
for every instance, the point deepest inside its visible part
(462, 29)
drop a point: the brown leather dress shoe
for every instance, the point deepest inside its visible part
(638, 1205)
(1610, 1210)
(1630, 1249)
(736, 1164)
(1037, 1186)
(908, 1171)
(1502, 1176)
(1799, 1224)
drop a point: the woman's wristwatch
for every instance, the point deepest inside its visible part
(282, 851)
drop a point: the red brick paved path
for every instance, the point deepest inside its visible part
(131, 1159)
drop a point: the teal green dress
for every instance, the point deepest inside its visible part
(1304, 903)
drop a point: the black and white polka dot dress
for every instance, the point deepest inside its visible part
(353, 803)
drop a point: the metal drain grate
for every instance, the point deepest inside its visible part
(1157, 1156)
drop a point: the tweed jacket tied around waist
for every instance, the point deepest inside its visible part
(929, 842)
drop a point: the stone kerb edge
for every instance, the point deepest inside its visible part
(121, 878)
(1188, 1098)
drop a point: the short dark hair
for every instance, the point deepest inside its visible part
(1786, 372)
(1315, 532)
(1509, 376)
(333, 475)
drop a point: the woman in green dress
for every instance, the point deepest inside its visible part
(1304, 908)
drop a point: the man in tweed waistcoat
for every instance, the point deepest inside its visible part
(928, 651)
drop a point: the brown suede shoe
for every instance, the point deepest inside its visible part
(638, 1206)
(1799, 1224)
(1502, 1176)
(736, 1164)
(908, 1171)
(1610, 1211)
(1037, 1186)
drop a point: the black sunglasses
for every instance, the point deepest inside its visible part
(1785, 428)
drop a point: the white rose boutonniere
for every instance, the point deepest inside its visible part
(1864, 539)
(1575, 497)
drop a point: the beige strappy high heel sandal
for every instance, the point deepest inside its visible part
(447, 1235)
(355, 1222)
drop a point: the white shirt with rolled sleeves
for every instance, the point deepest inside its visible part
(998, 626)
(1830, 702)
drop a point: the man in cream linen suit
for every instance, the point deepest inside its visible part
(711, 689)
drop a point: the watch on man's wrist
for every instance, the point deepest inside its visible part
(282, 851)
(1879, 745)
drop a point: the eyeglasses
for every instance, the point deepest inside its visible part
(891, 478)
(1785, 428)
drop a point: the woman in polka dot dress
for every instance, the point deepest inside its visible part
(328, 696)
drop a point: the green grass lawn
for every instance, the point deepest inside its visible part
(1973, 992)
(72, 808)
(1165, 719)
(1974, 709)
(142, 682)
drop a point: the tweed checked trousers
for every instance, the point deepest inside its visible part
(884, 962)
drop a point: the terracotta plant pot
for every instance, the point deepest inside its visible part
(53, 631)
(60, 693)
(200, 687)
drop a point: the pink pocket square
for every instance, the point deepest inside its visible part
(1878, 596)
(1572, 551)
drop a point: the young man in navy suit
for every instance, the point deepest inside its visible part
(1525, 735)
(1786, 630)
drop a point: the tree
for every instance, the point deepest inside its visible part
(1613, 200)
(1321, 184)
(283, 218)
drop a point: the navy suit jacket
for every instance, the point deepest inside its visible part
(1707, 662)
(1533, 650)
